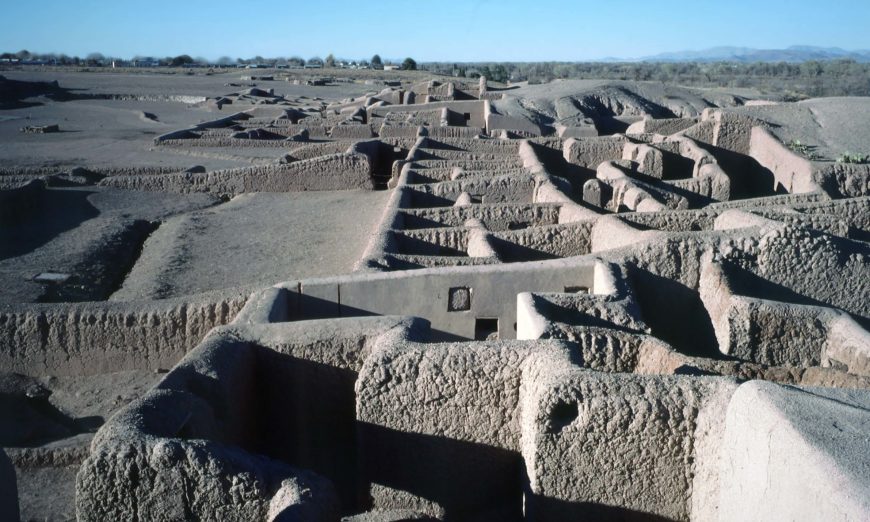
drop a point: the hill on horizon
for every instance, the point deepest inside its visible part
(794, 53)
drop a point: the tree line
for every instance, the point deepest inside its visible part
(100, 60)
(806, 79)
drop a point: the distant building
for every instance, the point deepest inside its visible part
(145, 62)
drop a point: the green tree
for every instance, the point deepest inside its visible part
(376, 62)
(181, 60)
(330, 60)
(409, 65)
(499, 74)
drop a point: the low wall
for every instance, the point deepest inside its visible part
(777, 333)
(102, 337)
(591, 152)
(663, 126)
(440, 427)
(547, 241)
(845, 180)
(183, 450)
(333, 172)
(496, 217)
(620, 446)
(432, 294)
(497, 189)
(790, 171)
(474, 109)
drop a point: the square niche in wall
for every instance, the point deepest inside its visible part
(459, 299)
(486, 329)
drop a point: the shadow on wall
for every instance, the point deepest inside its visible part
(675, 313)
(48, 214)
(514, 253)
(310, 307)
(609, 125)
(539, 507)
(749, 179)
(469, 481)
(556, 165)
(464, 480)
(750, 284)
(307, 418)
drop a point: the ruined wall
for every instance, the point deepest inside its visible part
(576, 463)
(791, 171)
(332, 172)
(490, 291)
(591, 152)
(440, 427)
(474, 109)
(101, 337)
(543, 242)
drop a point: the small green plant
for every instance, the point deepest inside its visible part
(853, 158)
(805, 150)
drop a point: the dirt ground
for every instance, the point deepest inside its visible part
(113, 133)
(255, 239)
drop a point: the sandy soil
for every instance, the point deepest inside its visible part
(831, 126)
(155, 84)
(113, 133)
(99, 133)
(255, 239)
(557, 102)
(90, 233)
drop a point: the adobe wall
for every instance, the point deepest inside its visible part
(563, 240)
(455, 132)
(791, 171)
(497, 216)
(180, 451)
(497, 189)
(474, 108)
(615, 446)
(492, 290)
(776, 333)
(769, 428)
(663, 126)
(845, 180)
(332, 172)
(103, 337)
(591, 152)
(440, 426)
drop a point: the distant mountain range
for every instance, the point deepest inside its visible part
(795, 53)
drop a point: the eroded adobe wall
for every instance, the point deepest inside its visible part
(100, 337)
(618, 445)
(332, 172)
(791, 171)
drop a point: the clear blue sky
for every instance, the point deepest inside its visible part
(447, 30)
